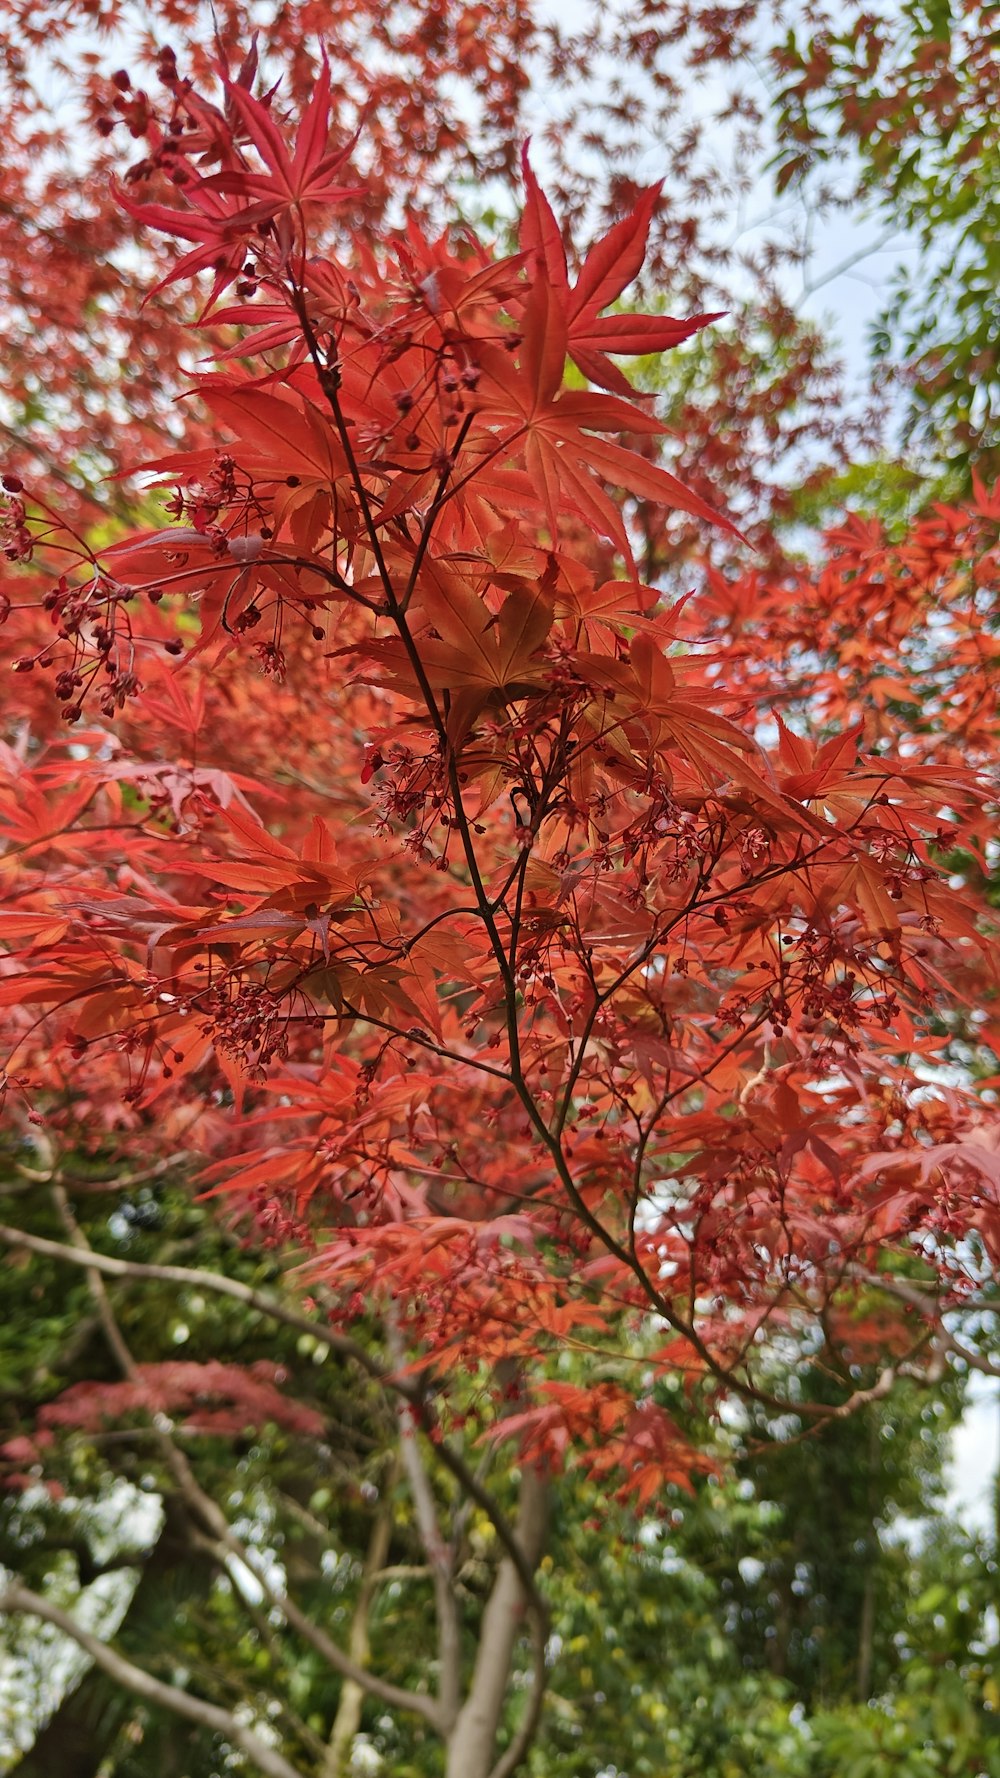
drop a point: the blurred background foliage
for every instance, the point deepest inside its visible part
(809, 1612)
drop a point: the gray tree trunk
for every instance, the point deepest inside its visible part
(472, 1745)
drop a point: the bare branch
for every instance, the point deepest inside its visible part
(196, 1278)
(206, 1510)
(347, 1721)
(476, 1491)
(440, 1553)
(143, 1685)
(928, 1305)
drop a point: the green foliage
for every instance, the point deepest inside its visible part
(895, 491)
(719, 1637)
(912, 97)
(799, 1609)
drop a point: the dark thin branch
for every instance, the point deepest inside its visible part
(926, 1302)
(474, 1489)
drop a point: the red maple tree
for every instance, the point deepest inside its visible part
(528, 952)
(444, 104)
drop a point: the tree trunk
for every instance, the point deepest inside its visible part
(472, 1745)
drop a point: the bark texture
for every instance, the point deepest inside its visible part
(472, 1745)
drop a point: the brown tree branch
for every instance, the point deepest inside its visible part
(206, 1510)
(195, 1277)
(143, 1685)
(439, 1552)
(347, 1721)
(186, 1276)
(926, 1302)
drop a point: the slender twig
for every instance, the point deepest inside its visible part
(197, 1278)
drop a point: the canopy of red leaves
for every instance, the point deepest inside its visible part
(509, 940)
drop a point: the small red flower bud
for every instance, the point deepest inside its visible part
(121, 80)
(13, 483)
(174, 647)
